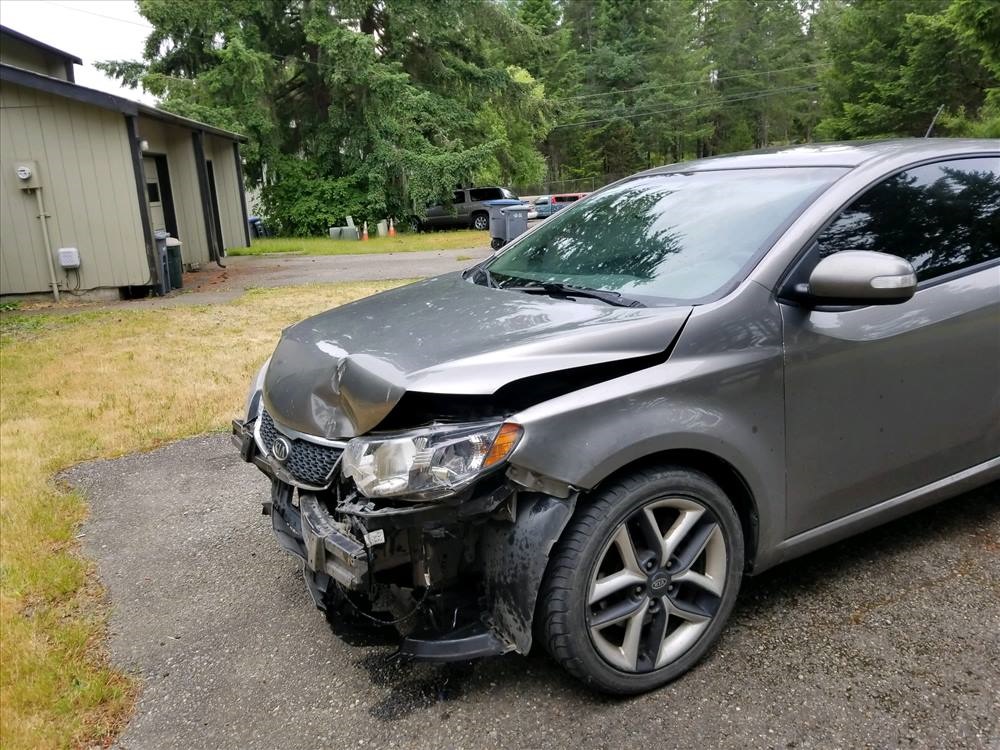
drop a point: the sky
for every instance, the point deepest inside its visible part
(90, 29)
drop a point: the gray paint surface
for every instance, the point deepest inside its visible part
(889, 639)
(338, 374)
(820, 413)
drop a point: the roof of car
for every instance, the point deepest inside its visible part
(844, 154)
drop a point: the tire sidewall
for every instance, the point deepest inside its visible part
(673, 483)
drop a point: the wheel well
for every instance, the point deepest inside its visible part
(720, 470)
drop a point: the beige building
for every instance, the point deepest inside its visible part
(99, 174)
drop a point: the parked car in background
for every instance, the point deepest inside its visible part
(466, 209)
(546, 205)
(589, 439)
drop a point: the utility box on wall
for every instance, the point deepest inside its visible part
(69, 257)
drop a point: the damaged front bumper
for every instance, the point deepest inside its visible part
(458, 579)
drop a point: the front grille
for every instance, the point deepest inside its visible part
(309, 463)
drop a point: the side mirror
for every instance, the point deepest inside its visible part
(860, 277)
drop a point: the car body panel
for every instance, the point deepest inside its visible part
(903, 395)
(337, 374)
(720, 392)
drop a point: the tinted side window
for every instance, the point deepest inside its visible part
(458, 196)
(485, 194)
(941, 217)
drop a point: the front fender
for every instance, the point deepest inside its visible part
(515, 555)
(721, 392)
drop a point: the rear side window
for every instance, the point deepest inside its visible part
(485, 194)
(458, 196)
(567, 198)
(942, 217)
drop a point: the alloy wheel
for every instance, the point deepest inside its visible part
(657, 585)
(481, 222)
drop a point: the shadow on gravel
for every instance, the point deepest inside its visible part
(960, 519)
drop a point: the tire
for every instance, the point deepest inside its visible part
(689, 583)
(480, 221)
(496, 243)
(416, 225)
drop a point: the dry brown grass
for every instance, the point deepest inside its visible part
(89, 386)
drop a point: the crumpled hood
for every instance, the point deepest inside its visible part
(340, 373)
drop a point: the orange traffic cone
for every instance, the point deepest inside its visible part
(364, 232)
(392, 228)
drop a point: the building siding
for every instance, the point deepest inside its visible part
(21, 55)
(88, 184)
(228, 187)
(175, 143)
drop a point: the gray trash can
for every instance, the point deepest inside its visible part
(508, 219)
(161, 255)
(175, 263)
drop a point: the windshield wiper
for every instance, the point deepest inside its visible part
(567, 290)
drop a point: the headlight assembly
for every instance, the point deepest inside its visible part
(429, 463)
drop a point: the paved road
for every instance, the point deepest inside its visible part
(285, 270)
(888, 640)
(212, 284)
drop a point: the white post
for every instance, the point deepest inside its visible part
(42, 216)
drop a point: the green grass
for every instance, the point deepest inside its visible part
(97, 385)
(460, 239)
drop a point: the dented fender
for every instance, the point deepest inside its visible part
(515, 557)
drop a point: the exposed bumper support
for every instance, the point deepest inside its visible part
(468, 642)
(512, 551)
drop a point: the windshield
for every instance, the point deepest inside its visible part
(682, 236)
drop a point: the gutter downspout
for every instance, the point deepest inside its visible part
(152, 258)
(43, 218)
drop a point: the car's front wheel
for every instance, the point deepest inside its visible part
(643, 580)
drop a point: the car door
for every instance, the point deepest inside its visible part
(439, 215)
(461, 201)
(882, 400)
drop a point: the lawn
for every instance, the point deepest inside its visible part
(98, 385)
(460, 239)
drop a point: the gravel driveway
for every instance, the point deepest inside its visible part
(891, 639)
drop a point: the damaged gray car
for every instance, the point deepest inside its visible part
(587, 441)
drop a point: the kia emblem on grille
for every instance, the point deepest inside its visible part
(281, 449)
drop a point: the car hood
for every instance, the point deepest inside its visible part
(340, 373)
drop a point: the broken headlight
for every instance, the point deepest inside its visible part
(428, 463)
